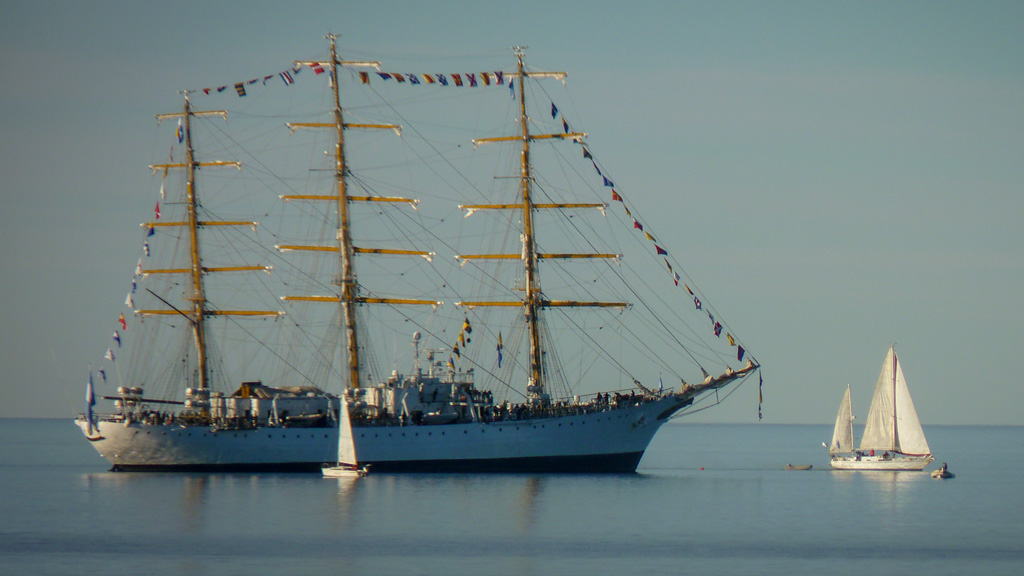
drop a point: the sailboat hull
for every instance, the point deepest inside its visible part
(610, 441)
(881, 463)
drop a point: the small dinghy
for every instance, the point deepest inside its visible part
(943, 473)
(799, 466)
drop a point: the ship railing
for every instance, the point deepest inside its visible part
(523, 412)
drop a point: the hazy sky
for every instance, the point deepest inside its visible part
(841, 175)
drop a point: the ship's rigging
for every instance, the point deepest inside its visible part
(491, 344)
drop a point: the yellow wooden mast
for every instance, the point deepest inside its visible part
(533, 301)
(348, 278)
(198, 290)
(349, 294)
(198, 309)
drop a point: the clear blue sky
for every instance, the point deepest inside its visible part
(841, 175)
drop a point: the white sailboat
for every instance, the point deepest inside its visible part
(460, 408)
(346, 466)
(893, 437)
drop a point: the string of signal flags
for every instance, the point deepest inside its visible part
(289, 76)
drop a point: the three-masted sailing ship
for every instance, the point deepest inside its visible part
(893, 437)
(436, 418)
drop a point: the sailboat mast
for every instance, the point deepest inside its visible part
(348, 278)
(533, 298)
(849, 421)
(895, 432)
(198, 292)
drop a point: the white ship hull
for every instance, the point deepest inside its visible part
(613, 440)
(152, 447)
(608, 441)
(915, 463)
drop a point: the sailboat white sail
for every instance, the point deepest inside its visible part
(842, 435)
(892, 422)
(893, 437)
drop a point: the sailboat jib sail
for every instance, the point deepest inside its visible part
(532, 282)
(893, 437)
(842, 435)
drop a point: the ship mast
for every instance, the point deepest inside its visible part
(198, 290)
(533, 301)
(198, 311)
(348, 279)
(349, 293)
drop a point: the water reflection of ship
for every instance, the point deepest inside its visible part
(194, 489)
(529, 498)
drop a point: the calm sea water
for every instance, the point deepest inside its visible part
(708, 499)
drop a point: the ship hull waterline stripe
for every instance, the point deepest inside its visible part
(586, 464)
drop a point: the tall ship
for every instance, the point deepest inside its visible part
(893, 438)
(503, 376)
